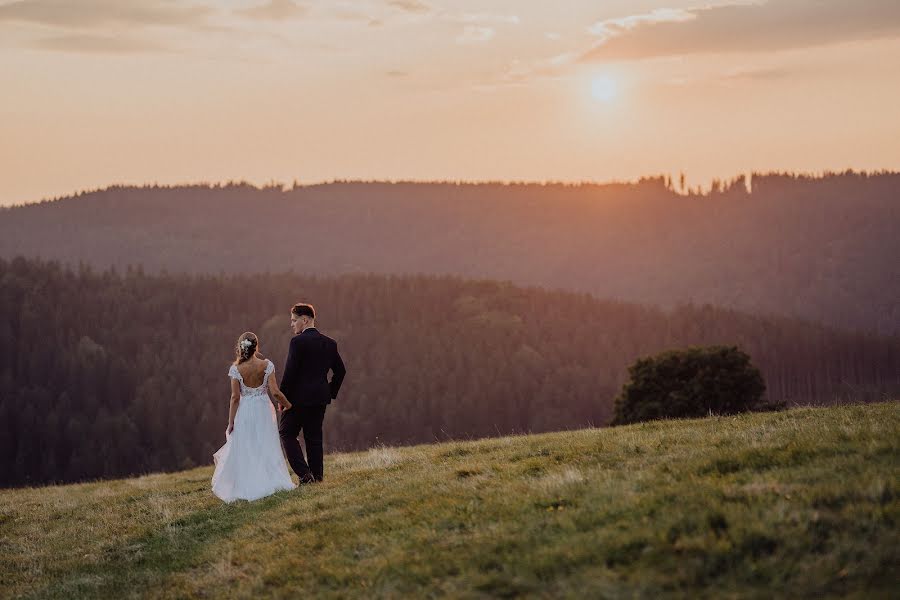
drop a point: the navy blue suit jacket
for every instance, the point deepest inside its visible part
(305, 377)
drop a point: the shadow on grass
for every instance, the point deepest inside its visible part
(135, 564)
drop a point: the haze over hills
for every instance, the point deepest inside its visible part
(820, 248)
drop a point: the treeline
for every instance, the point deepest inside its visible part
(111, 373)
(818, 248)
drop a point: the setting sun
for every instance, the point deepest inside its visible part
(603, 88)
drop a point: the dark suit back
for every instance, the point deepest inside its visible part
(305, 377)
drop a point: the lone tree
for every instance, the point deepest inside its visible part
(692, 382)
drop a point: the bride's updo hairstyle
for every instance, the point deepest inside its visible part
(246, 347)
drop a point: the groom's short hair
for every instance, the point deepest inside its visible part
(304, 310)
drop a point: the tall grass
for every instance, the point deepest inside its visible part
(795, 504)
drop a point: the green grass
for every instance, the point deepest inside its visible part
(795, 504)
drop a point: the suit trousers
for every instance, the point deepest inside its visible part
(307, 419)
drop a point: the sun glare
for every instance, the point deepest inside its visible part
(603, 88)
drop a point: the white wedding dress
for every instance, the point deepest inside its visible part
(251, 464)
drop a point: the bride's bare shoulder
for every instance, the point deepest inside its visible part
(250, 366)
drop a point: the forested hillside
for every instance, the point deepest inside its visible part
(819, 248)
(110, 373)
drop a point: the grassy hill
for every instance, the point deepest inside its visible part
(795, 504)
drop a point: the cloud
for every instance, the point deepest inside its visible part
(274, 10)
(485, 19)
(475, 34)
(90, 14)
(478, 28)
(772, 26)
(412, 6)
(759, 74)
(741, 76)
(377, 14)
(373, 16)
(519, 72)
(612, 27)
(96, 44)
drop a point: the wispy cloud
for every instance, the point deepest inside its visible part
(758, 74)
(88, 14)
(609, 28)
(479, 28)
(99, 44)
(486, 18)
(771, 26)
(475, 34)
(520, 72)
(412, 6)
(105, 26)
(740, 76)
(274, 10)
(374, 13)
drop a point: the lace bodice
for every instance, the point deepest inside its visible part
(252, 391)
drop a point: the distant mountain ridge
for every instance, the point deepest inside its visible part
(821, 248)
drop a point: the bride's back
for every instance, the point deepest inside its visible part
(253, 371)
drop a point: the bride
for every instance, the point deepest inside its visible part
(251, 464)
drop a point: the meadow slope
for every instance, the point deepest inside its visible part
(800, 503)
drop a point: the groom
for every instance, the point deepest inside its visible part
(305, 383)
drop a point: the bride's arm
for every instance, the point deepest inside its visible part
(235, 400)
(275, 393)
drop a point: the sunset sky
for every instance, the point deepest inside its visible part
(97, 92)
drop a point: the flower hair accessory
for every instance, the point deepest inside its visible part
(246, 344)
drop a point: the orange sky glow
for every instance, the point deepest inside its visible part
(99, 92)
